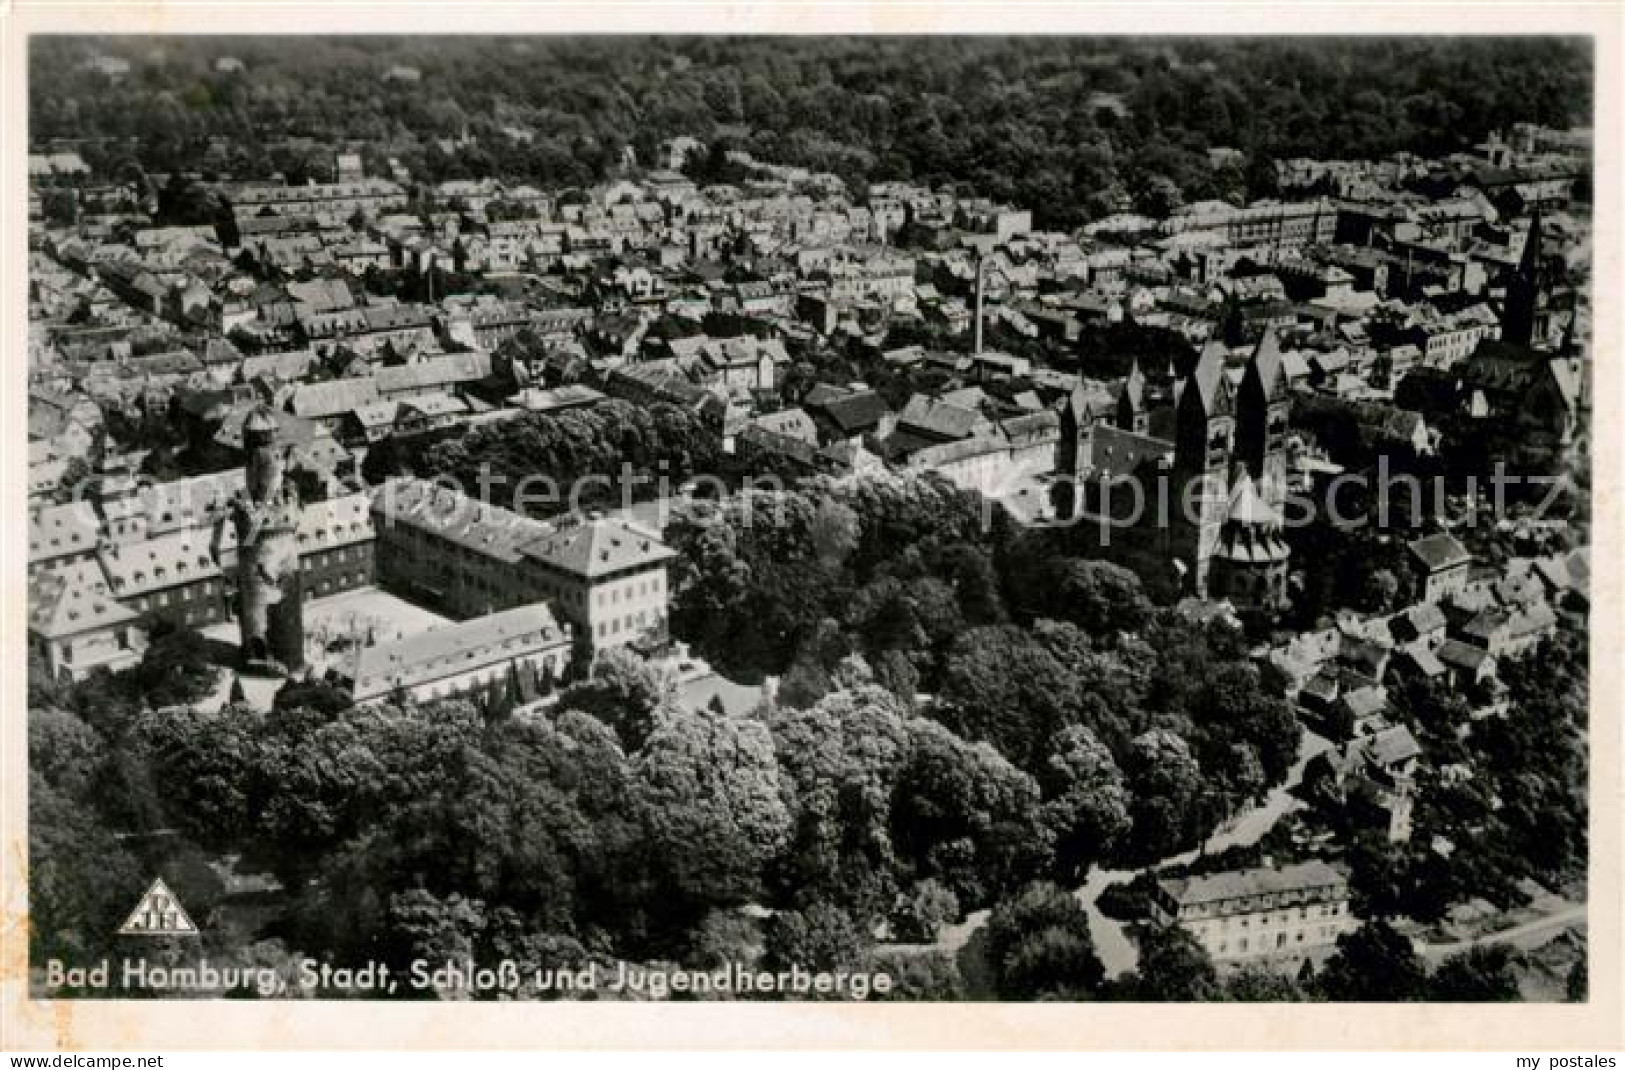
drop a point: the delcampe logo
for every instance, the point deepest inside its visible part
(158, 913)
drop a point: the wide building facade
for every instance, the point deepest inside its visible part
(1279, 915)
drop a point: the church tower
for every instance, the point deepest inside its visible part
(269, 587)
(1520, 311)
(1132, 414)
(1204, 437)
(1262, 409)
(1074, 453)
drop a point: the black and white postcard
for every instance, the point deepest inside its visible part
(613, 515)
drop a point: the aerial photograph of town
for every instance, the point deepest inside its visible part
(838, 518)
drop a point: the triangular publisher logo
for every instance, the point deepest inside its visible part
(158, 914)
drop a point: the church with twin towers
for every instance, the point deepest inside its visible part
(1184, 474)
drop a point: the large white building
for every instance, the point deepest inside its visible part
(1258, 914)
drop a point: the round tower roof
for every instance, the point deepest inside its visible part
(1249, 508)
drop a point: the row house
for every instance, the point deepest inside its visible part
(1449, 341)
(1262, 223)
(433, 375)
(367, 330)
(326, 202)
(357, 256)
(485, 324)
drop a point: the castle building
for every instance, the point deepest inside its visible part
(604, 576)
(462, 657)
(75, 625)
(1206, 454)
(266, 517)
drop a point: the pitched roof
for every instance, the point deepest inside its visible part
(1266, 363)
(856, 411)
(596, 548)
(1439, 551)
(189, 502)
(293, 364)
(1461, 655)
(486, 529)
(61, 530)
(336, 396)
(436, 404)
(1425, 660)
(1366, 701)
(1303, 878)
(1031, 428)
(221, 351)
(1248, 508)
(938, 419)
(1209, 378)
(1114, 451)
(335, 522)
(794, 423)
(1389, 747)
(1569, 375)
(376, 413)
(322, 295)
(456, 648)
(61, 605)
(1579, 567)
(1424, 618)
(434, 372)
(162, 561)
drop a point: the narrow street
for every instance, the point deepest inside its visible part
(1530, 934)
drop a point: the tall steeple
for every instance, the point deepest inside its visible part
(1131, 409)
(981, 286)
(1261, 420)
(1204, 437)
(1518, 311)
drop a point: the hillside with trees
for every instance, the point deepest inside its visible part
(1074, 127)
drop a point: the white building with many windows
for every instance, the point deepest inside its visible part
(1258, 914)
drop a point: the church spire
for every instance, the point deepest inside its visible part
(1266, 362)
(1529, 263)
(1131, 410)
(1523, 290)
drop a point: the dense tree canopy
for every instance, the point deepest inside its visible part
(1073, 127)
(1038, 946)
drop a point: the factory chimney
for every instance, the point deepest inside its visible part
(981, 263)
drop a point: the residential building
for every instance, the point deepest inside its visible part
(1442, 564)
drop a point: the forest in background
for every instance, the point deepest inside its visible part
(1072, 127)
